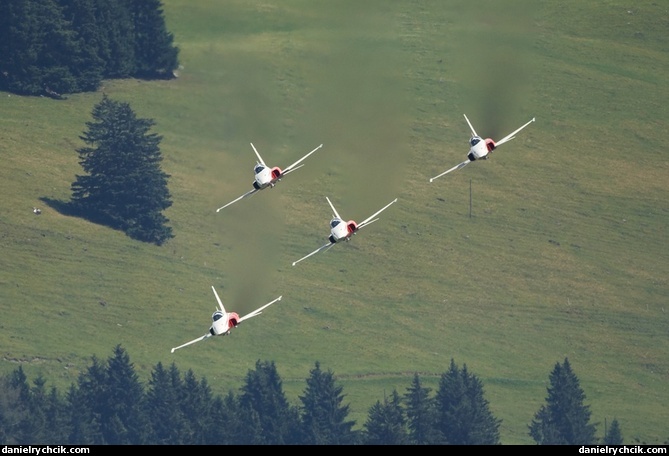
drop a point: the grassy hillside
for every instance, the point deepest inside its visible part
(554, 248)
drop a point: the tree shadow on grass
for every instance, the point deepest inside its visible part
(69, 209)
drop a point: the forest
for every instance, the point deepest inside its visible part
(110, 405)
(52, 48)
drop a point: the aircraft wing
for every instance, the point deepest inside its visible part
(512, 135)
(458, 166)
(192, 342)
(293, 166)
(258, 155)
(369, 220)
(321, 248)
(470, 125)
(220, 303)
(334, 211)
(258, 311)
(249, 193)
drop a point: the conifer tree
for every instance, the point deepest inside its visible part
(225, 426)
(613, 434)
(421, 414)
(386, 423)
(117, 32)
(124, 421)
(463, 414)
(125, 187)
(83, 403)
(154, 51)
(266, 409)
(165, 416)
(37, 47)
(322, 414)
(564, 419)
(86, 63)
(46, 423)
(14, 410)
(195, 401)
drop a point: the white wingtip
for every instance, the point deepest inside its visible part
(173, 350)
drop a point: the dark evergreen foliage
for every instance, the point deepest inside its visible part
(83, 409)
(613, 435)
(195, 402)
(463, 414)
(117, 49)
(124, 421)
(225, 426)
(163, 406)
(39, 49)
(125, 187)
(564, 419)
(55, 47)
(30, 415)
(421, 414)
(156, 57)
(109, 405)
(267, 413)
(87, 64)
(386, 423)
(14, 408)
(323, 416)
(45, 423)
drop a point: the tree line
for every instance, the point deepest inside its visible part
(55, 47)
(109, 405)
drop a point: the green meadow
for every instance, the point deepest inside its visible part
(555, 247)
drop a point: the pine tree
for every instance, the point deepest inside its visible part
(38, 45)
(613, 435)
(58, 427)
(265, 407)
(166, 419)
(463, 414)
(421, 414)
(85, 64)
(46, 423)
(117, 32)
(83, 402)
(564, 419)
(323, 416)
(123, 419)
(386, 423)
(31, 415)
(125, 187)
(195, 401)
(225, 426)
(155, 54)
(14, 409)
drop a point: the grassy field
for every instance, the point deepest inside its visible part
(554, 248)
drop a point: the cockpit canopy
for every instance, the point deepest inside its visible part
(334, 222)
(474, 141)
(217, 315)
(258, 168)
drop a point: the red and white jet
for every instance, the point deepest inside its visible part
(341, 230)
(266, 176)
(480, 148)
(223, 322)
